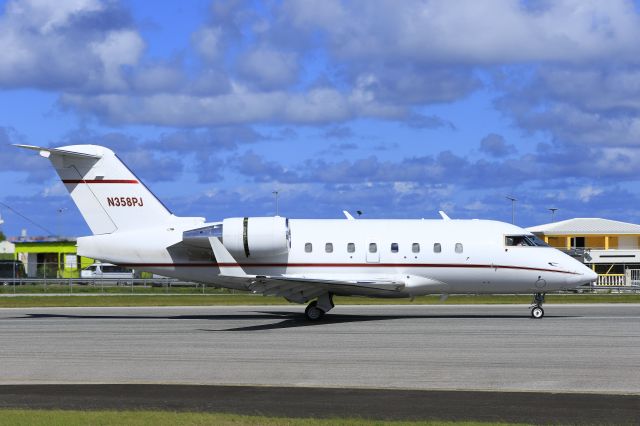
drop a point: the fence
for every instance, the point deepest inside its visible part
(607, 280)
(107, 286)
(632, 277)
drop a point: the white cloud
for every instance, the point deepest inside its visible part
(586, 193)
(118, 48)
(56, 189)
(379, 59)
(45, 16)
(316, 106)
(470, 31)
(208, 43)
(269, 68)
(58, 45)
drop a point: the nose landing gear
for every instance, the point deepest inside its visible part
(536, 306)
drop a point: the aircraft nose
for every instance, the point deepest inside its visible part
(591, 275)
(584, 275)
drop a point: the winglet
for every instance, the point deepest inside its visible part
(348, 215)
(228, 266)
(444, 215)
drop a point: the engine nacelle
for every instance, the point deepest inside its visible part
(256, 236)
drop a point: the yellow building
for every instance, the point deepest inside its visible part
(47, 257)
(610, 247)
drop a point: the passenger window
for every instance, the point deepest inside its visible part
(437, 248)
(394, 247)
(351, 247)
(308, 248)
(373, 248)
(415, 248)
(458, 247)
(328, 247)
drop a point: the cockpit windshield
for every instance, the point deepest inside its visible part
(524, 241)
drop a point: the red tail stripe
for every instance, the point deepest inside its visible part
(100, 181)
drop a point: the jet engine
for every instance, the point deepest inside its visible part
(256, 236)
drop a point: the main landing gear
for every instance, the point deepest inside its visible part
(536, 306)
(316, 309)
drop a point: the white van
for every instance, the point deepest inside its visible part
(106, 271)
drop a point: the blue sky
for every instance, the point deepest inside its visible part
(397, 109)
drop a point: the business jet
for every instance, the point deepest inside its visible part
(305, 260)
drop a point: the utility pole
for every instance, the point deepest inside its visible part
(277, 210)
(59, 224)
(553, 213)
(513, 208)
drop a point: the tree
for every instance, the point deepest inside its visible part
(2, 236)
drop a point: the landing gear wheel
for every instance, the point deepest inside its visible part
(536, 305)
(537, 312)
(313, 313)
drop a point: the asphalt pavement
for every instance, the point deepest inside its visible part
(470, 355)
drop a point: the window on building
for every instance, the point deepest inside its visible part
(70, 261)
(415, 248)
(351, 247)
(458, 247)
(328, 247)
(373, 248)
(308, 247)
(437, 247)
(394, 247)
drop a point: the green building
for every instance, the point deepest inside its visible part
(45, 257)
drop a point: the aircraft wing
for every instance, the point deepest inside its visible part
(301, 288)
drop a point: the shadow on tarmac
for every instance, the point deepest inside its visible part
(288, 319)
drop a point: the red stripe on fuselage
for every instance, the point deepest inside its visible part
(100, 181)
(345, 265)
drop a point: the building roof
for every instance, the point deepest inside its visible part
(43, 239)
(587, 226)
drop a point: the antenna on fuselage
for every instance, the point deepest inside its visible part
(444, 215)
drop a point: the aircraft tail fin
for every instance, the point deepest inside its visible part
(109, 196)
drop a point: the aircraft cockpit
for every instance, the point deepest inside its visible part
(524, 241)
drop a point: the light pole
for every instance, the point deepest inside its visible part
(513, 208)
(553, 213)
(60, 211)
(276, 194)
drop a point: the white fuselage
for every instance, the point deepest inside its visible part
(431, 256)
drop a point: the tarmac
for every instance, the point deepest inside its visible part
(468, 355)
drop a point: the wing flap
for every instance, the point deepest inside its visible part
(301, 288)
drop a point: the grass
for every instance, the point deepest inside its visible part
(255, 300)
(162, 418)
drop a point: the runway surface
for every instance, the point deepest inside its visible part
(492, 348)
(575, 348)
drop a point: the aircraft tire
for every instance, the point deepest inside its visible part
(537, 312)
(313, 313)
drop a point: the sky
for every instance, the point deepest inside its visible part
(396, 109)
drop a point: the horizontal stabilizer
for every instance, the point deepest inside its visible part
(46, 152)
